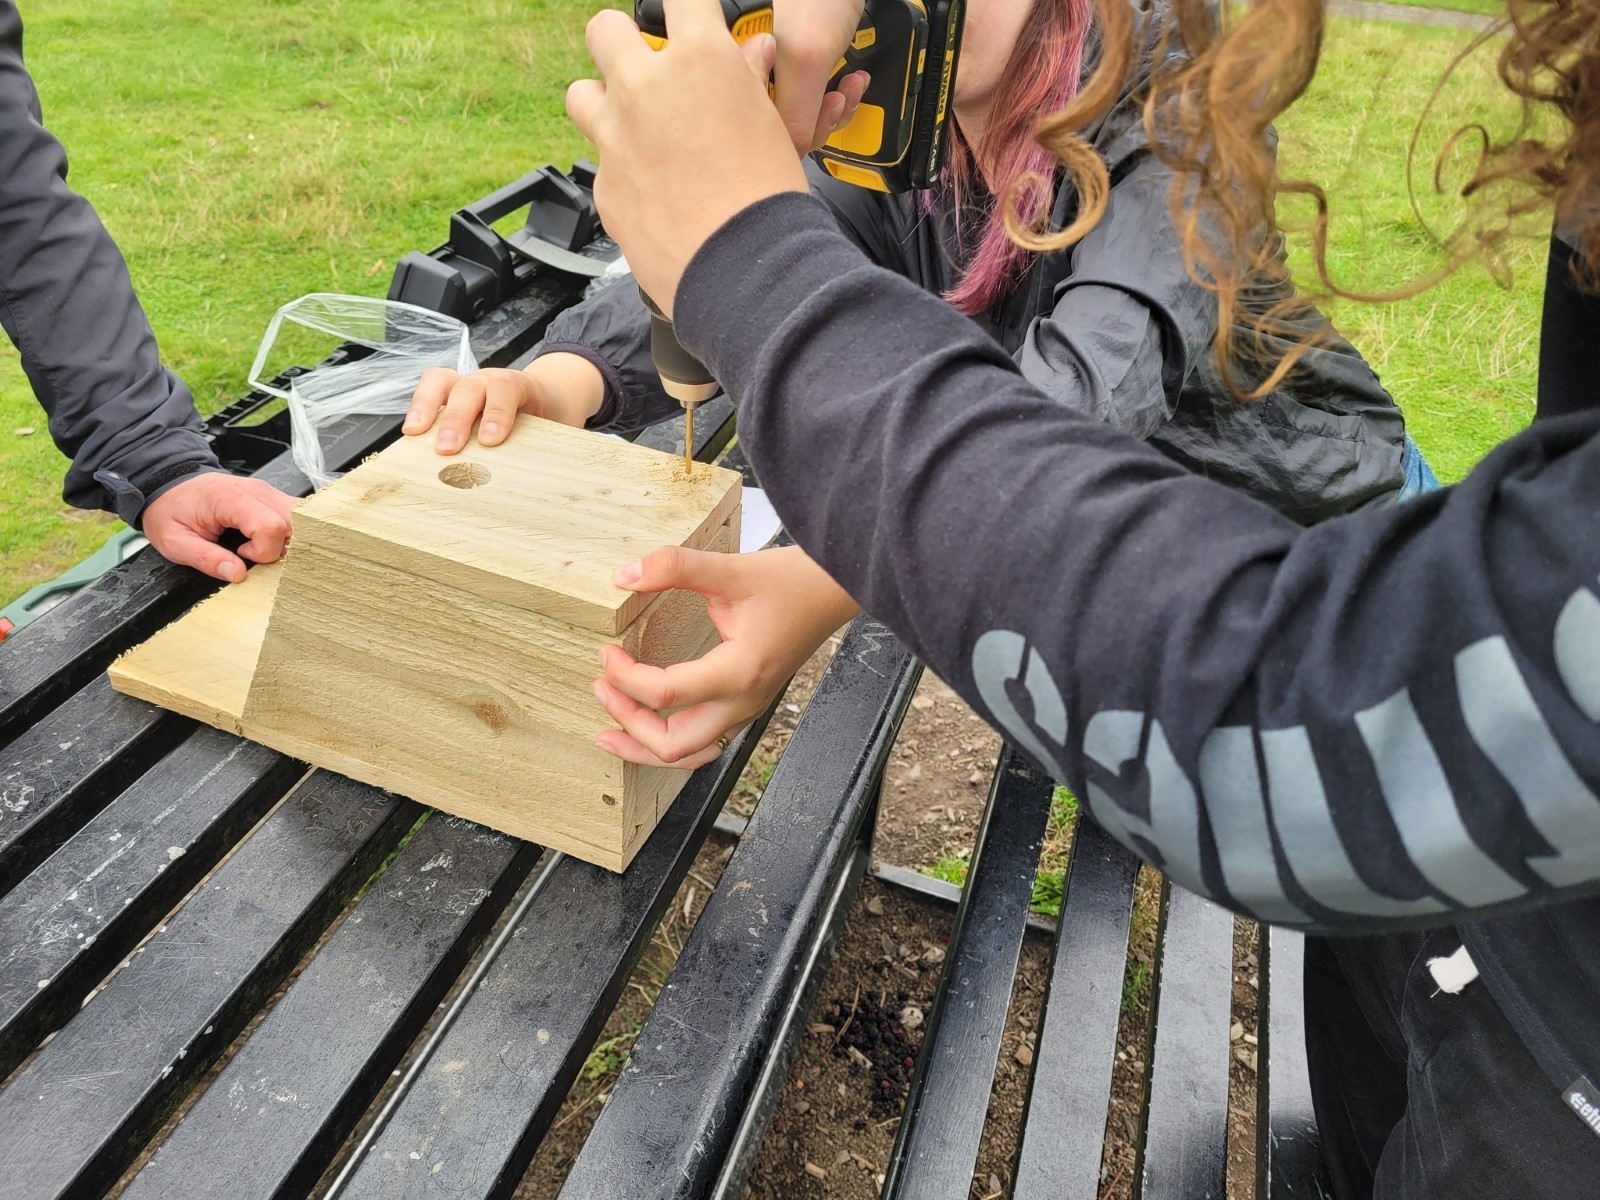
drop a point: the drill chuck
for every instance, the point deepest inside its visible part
(683, 377)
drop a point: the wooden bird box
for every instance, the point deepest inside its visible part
(437, 625)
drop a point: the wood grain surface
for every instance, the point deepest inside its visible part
(540, 522)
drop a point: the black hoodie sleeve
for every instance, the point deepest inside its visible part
(1387, 719)
(1569, 352)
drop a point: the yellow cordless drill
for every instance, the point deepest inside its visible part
(894, 143)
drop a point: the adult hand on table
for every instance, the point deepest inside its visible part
(687, 136)
(184, 522)
(772, 608)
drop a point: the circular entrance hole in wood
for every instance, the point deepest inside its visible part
(465, 475)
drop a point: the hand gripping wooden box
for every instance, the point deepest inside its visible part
(437, 625)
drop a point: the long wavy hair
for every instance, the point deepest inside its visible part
(1041, 75)
(1207, 113)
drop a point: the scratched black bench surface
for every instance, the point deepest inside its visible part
(159, 881)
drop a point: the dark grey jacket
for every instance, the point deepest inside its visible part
(1113, 328)
(128, 424)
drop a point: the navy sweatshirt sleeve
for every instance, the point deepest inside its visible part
(611, 328)
(128, 424)
(1386, 719)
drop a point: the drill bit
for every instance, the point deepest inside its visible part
(688, 436)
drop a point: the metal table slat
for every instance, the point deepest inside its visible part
(1183, 1152)
(936, 1149)
(273, 1119)
(77, 639)
(473, 1110)
(1063, 1138)
(676, 1111)
(65, 926)
(59, 773)
(805, 980)
(1288, 1163)
(76, 1115)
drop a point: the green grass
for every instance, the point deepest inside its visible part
(1487, 8)
(245, 154)
(1047, 882)
(1461, 359)
(1135, 985)
(608, 1057)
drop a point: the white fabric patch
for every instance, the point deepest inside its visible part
(758, 523)
(1453, 973)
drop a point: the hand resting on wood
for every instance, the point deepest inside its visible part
(559, 387)
(773, 609)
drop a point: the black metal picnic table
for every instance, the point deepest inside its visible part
(159, 881)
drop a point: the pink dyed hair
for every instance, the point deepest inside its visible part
(1041, 75)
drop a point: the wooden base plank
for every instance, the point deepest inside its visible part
(202, 664)
(272, 1120)
(456, 701)
(80, 1110)
(69, 922)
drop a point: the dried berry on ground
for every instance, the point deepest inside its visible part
(875, 1030)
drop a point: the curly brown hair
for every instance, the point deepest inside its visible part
(1208, 113)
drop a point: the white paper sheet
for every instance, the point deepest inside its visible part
(758, 524)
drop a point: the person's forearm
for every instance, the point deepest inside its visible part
(611, 330)
(571, 388)
(128, 424)
(1362, 702)
(826, 606)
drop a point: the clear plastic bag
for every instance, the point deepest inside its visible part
(616, 271)
(405, 341)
